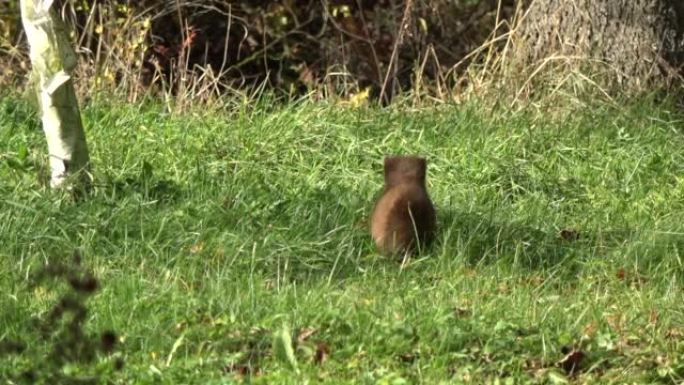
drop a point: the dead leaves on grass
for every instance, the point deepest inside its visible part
(572, 360)
(569, 234)
(250, 349)
(305, 333)
(316, 351)
(322, 353)
(631, 278)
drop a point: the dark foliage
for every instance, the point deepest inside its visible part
(296, 45)
(59, 337)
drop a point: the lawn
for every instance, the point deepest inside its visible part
(219, 236)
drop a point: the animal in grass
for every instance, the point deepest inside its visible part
(403, 219)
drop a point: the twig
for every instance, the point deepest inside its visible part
(397, 42)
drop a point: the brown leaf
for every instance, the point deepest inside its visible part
(572, 361)
(77, 258)
(503, 288)
(191, 35)
(615, 321)
(238, 368)
(533, 364)
(322, 353)
(197, 247)
(118, 363)
(228, 202)
(242, 368)
(108, 341)
(675, 333)
(569, 234)
(535, 279)
(87, 284)
(407, 357)
(461, 311)
(305, 333)
(269, 284)
(635, 279)
(306, 75)
(653, 317)
(590, 329)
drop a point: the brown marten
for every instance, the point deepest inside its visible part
(404, 211)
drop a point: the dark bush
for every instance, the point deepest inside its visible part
(294, 46)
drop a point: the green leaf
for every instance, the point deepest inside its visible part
(556, 378)
(15, 164)
(282, 347)
(22, 152)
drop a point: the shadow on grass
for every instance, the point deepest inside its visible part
(60, 337)
(146, 185)
(321, 232)
(481, 240)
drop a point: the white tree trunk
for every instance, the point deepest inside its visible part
(53, 61)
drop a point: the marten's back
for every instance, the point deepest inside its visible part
(392, 224)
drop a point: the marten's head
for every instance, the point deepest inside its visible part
(404, 169)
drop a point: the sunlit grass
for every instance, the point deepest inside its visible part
(209, 231)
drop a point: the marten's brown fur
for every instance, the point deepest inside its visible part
(404, 210)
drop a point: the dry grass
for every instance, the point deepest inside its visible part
(114, 43)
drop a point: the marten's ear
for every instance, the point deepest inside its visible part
(390, 164)
(422, 163)
(422, 168)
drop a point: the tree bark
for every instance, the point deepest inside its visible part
(634, 44)
(53, 61)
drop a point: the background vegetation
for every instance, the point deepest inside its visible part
(290, 45)
(434, 50)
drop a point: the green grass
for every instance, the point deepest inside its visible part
(211, 231)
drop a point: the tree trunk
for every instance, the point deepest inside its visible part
(53, 61)
(631, 44)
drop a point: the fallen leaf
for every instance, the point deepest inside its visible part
(569, 234)
(653, 317)
(616, 321)
(118, 364)
(305, 333)
(675, 333)
(240, 369)
(87, 284)
(322, 353)
(407, 357)
(197, 247)
(590, 329)
(77, 258)
(108, 341)
(572, 361)
(503, 288)
(228, 203)
(460, 311)
(535, 279)
(632, 279)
